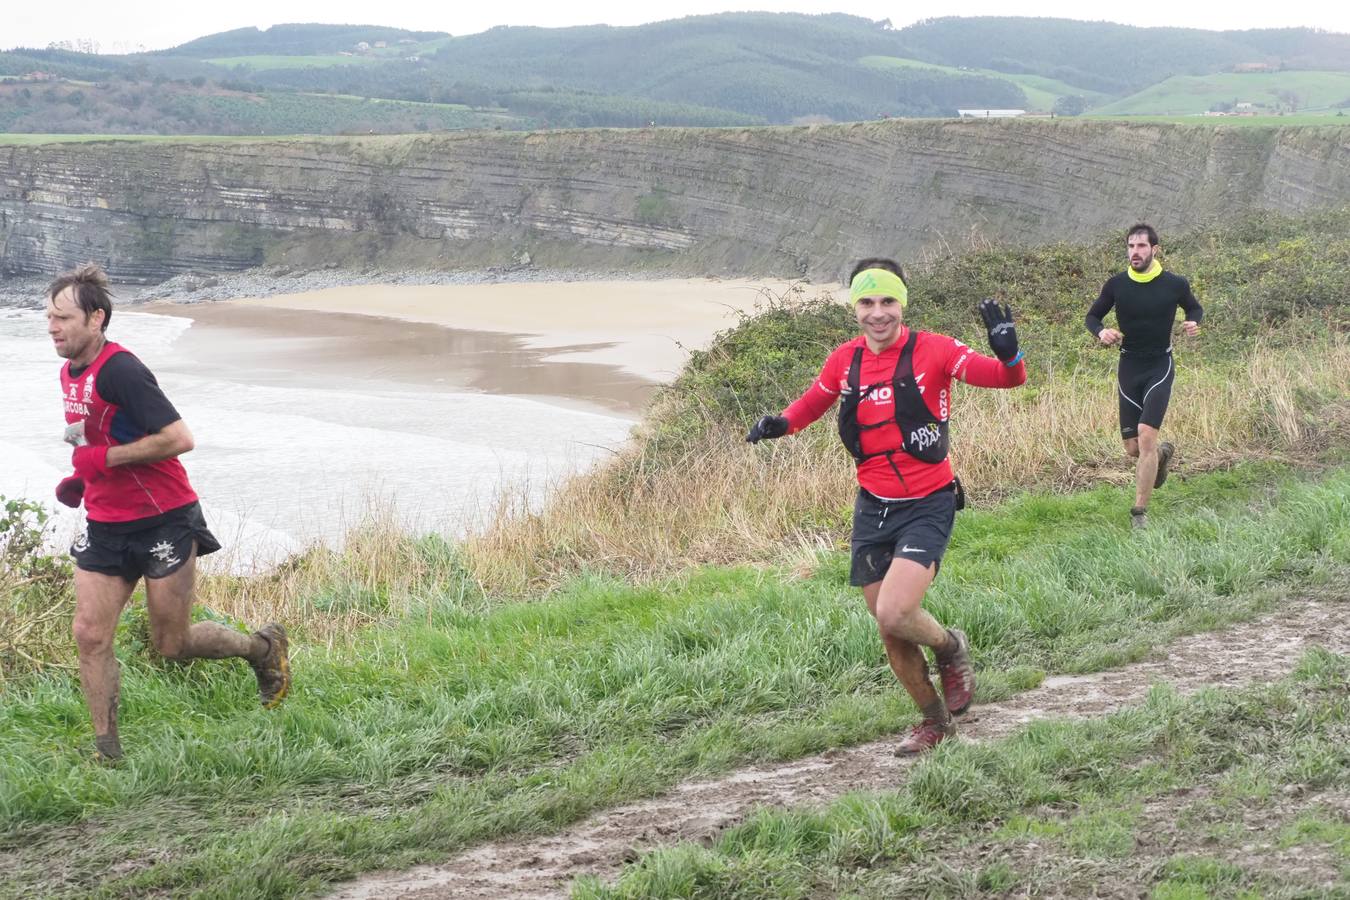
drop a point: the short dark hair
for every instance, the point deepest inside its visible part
(878, 262)
(1146, 229)
(90, 289)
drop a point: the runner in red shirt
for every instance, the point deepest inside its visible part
(143, 516)
(895, 384)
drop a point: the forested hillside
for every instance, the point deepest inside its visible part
(733, 68)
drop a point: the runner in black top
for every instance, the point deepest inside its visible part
(1145, 299)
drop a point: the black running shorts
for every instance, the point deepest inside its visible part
(1145, 390)
(155, 547)
(910, 529)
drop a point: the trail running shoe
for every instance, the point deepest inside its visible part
(1138, 517)
(274, 669)
(957, 674)
(925, 736)
(1165, 451)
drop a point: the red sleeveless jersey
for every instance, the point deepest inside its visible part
(128, 492)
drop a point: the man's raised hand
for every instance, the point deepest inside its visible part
(998, 323)
(767, 427)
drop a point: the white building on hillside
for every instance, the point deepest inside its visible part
(990, 113)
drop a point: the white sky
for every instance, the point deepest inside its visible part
(155, 24)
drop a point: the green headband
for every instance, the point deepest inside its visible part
(878, 283)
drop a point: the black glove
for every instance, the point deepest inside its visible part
(998, 321)
(767, 427)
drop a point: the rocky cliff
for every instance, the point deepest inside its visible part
(737, 200)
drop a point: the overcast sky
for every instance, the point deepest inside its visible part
(155, 24)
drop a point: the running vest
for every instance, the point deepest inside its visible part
(921, 435)
(130, 492)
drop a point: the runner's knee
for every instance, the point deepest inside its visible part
(897, 620)
(91, 637)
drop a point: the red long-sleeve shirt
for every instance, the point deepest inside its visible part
(938, 360)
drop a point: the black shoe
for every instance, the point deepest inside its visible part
(1165, 451)
(1138, 517)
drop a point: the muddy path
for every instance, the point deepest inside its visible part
(537, 866)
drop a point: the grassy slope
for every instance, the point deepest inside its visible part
(1042, 92)
(473, 720)
(1268, 377)
(260, 63)
(1193, 94)
(267, 112)
(376, 55)
(1320, 120)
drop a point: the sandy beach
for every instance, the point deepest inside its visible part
(642, 327)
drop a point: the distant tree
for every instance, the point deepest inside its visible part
(1070, 105)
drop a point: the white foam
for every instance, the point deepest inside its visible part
(279, 468)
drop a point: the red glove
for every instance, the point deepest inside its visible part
(71, 491)
(90, 462)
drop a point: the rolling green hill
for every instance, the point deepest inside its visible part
(1041, 92)
(296, 40)
(129, 108)
(1110, 58)
(732, 68)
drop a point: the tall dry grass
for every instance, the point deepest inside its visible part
(726, 501)
(380, 573)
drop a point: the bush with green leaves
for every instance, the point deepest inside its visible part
(36, 590)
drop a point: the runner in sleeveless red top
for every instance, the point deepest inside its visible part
(143, 516)
(894, 386)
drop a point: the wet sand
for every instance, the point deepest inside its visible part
(608, 343)
(286, 347)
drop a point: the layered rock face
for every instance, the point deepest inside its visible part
(780, 201)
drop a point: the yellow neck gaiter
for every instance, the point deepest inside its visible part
(878, 283)
(1153, 272)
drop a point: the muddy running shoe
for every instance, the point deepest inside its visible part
(1138, 517)
(274, 669)
(957, 674)
(925, 736)
(107, 749)
(1165, 451)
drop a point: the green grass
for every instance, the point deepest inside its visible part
(471, 720)
(1320, 120)
(373, 57)
(1042, 92)
(1060, 808)
(263, 63)
(38, 139)
(1194, 94)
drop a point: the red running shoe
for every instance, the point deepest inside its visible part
(957, 674)
(925, 736)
